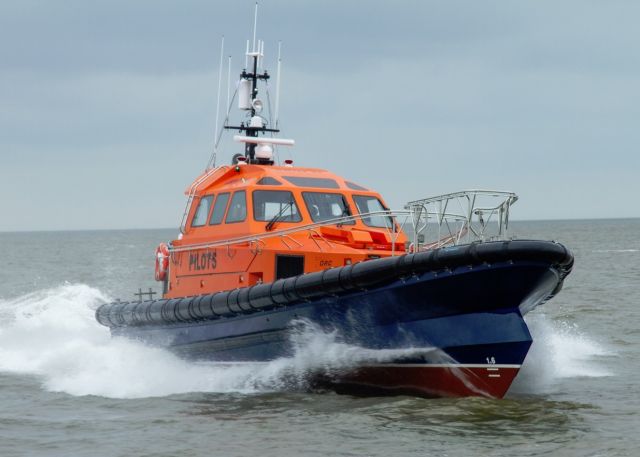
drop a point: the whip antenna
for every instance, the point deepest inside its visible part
(255, 26)
(228, 82)
(212, 162)
(277, 108)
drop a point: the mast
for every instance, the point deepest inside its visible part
(248, 101)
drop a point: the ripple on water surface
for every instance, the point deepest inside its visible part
(68, 388)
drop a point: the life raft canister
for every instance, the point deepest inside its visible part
(162, 261)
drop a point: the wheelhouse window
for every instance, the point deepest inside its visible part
(275, 204)
(202, 212)
(303, 181)
(237, 208)
(354, 186)
(323, 206)
(219, 209)
(367, 205)
(269, 181)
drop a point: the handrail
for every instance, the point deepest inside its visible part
(471, 222)
(463, 216)
(463, 193)
(192, 193)
(289, 231)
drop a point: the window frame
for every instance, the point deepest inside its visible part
(224, 211)
(293, 197)
(347, 206)
(229, 208)
(211, 198)
(391, 221)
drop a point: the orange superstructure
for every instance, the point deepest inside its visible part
(248, 224)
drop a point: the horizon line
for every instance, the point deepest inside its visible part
(178, 228)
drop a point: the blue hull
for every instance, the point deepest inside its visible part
(460, 308)
(454, 310)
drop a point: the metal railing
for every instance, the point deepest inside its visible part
(449, 219)
(394, 229)
(460, 217)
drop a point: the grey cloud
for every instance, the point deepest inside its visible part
(411, 98)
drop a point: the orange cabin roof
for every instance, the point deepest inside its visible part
(228, 178)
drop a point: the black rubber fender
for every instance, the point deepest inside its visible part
(334, 281)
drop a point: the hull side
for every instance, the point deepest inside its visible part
(479, 331)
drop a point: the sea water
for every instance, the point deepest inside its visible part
(69, 389)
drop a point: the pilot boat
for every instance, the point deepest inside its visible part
(439, 287)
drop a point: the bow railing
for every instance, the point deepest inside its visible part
(460, 217)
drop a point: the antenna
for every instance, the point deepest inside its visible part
(215, 145)
(257, 52)
(228, 82)
(255, 26)
(257, 148)
(277, 108)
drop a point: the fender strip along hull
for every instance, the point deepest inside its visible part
(454, 316)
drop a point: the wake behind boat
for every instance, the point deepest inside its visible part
(265, 246)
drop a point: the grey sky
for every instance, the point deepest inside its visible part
(107, 108)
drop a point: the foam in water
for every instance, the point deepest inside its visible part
(617, 250)
(559, 351)
(53, 334)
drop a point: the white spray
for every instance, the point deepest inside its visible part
(52, 334)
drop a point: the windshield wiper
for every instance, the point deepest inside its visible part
(346, 211)
(277, 217)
